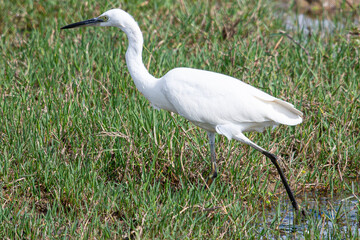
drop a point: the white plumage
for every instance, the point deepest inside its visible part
(213, 101)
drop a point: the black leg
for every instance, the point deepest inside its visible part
(273, 159)
(242, 138)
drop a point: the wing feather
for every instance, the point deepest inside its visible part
(209, 99)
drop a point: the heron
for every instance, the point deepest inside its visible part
(212, 101)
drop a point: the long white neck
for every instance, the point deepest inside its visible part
(143, 80)
(147, 84)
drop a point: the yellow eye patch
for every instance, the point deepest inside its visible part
(104, 18)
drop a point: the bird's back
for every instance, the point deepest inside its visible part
(209, 99)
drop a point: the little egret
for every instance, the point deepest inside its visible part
(212, 101)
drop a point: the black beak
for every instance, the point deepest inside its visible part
(90, 22)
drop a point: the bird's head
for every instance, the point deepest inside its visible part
(112, 18)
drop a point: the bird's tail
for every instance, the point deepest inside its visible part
(285, 113)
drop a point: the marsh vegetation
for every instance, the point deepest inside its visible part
(83, 154)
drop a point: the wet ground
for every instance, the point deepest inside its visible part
(328, 217)
(300, 17)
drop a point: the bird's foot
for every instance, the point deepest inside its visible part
(210, 180)
(212, 176)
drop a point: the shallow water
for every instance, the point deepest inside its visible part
(322, 23)
(326, 216)
(308, 25)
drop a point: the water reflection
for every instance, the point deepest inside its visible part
(308, 25)
(326, 216)
(302, 19)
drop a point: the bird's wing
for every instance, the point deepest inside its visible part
(211, 99)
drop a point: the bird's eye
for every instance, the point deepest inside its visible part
(104, 18)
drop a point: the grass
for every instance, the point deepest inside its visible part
(83, 155)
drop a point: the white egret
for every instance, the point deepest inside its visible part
(213, 101)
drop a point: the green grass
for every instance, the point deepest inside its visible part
(83, 155)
